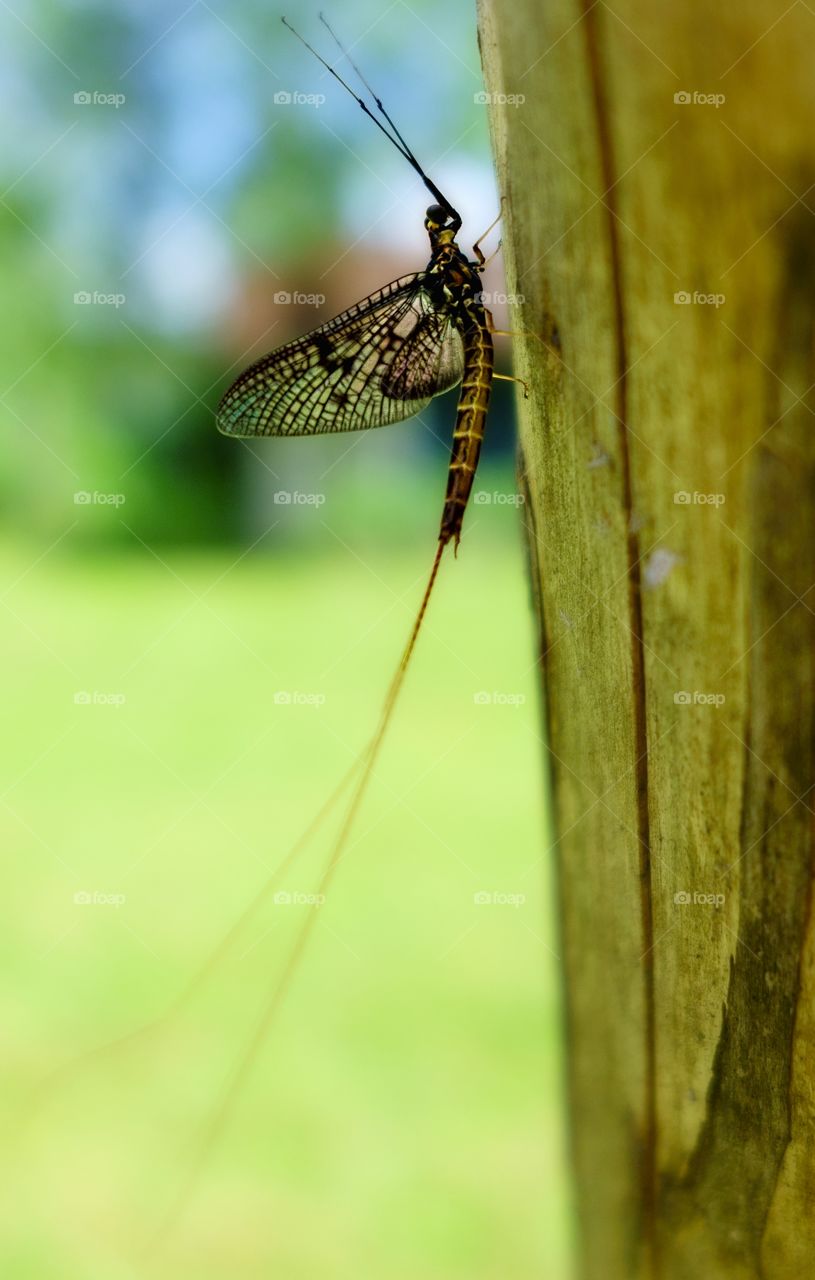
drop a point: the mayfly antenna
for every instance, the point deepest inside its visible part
(379, 104)
(400, 145)
(395, 138)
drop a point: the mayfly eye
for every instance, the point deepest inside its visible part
(437, 215)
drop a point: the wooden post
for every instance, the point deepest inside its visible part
(658, 165)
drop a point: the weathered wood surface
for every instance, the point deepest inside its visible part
(677, 633)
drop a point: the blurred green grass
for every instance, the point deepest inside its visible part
(404, 1117)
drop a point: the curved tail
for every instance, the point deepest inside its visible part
(277, 993)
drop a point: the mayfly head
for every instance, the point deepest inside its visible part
(441, 224)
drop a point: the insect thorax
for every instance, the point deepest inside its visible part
(453, 282)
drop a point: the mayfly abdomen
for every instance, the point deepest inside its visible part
(469, 429)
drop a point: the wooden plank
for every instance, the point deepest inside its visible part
(664, 252)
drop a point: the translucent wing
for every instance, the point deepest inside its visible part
(381, 361)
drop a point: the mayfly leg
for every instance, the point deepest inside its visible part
(482, 261)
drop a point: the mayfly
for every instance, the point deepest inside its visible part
(379, 362)
(385, 358)
(382, 361)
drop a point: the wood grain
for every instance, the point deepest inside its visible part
(668, 454)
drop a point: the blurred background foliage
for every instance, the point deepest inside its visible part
(406, 1119)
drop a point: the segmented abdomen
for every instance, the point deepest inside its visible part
(469, 431)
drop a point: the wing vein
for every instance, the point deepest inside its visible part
(381, 361)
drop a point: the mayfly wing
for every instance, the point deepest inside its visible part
(381, 361)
